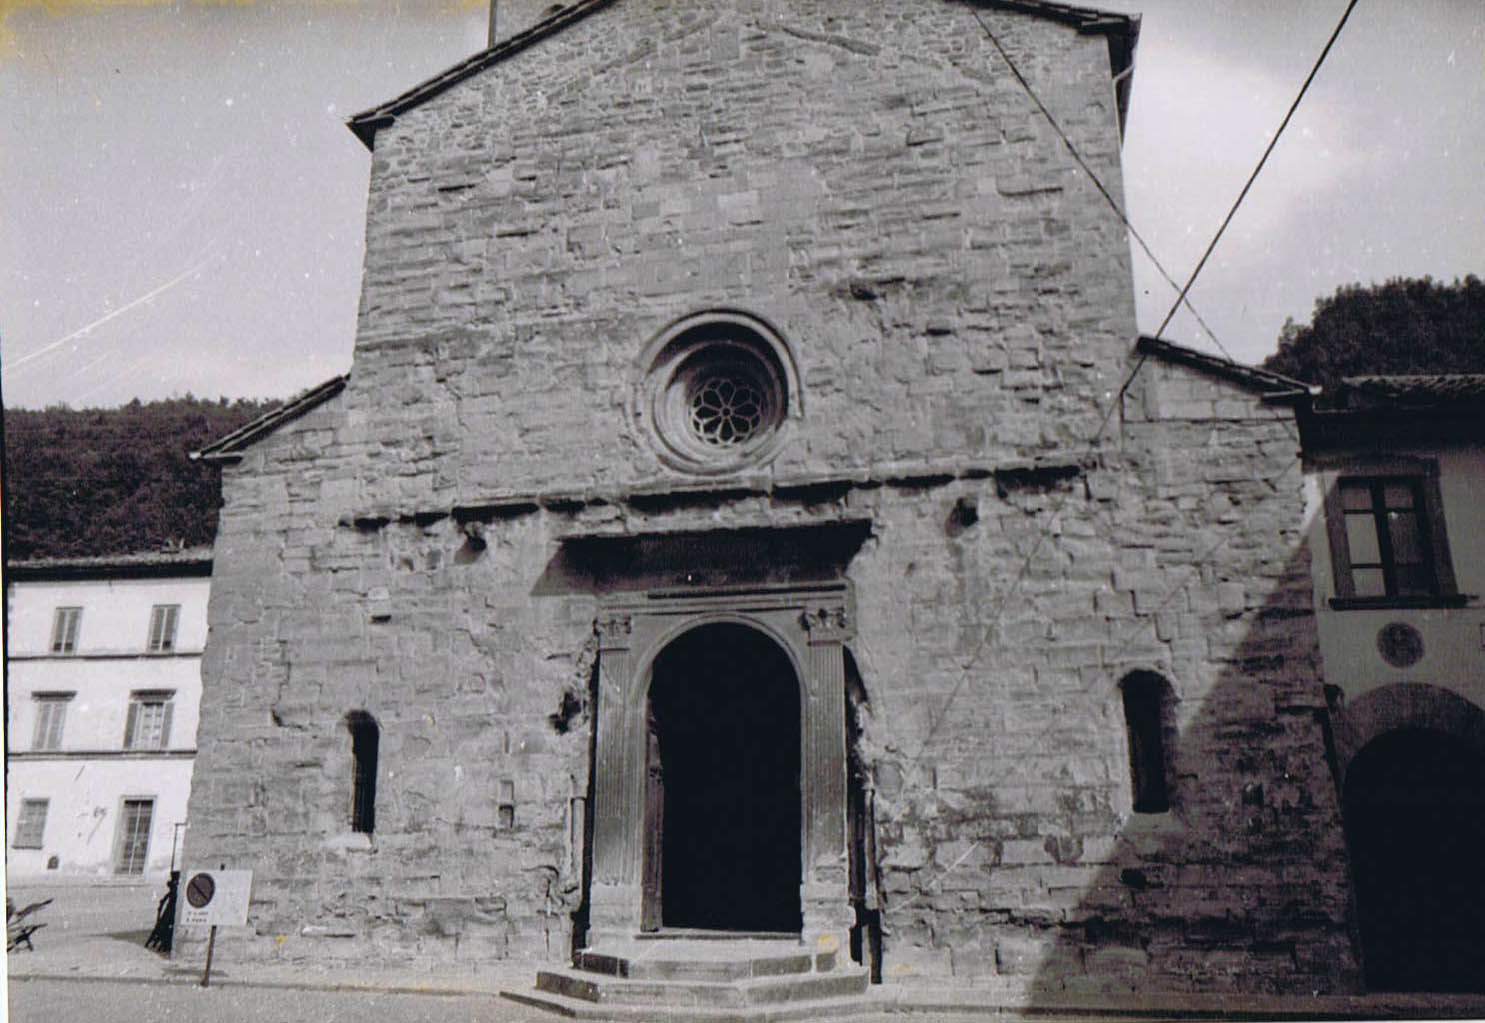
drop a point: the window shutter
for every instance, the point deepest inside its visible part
(131, 724)
(163, 620)
(1335, 533)
(1433, 511)
(31, 826)
(165, 725)
(64, 629)
(43, 726)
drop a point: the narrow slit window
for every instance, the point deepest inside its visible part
(365, 737)
(1146, 714)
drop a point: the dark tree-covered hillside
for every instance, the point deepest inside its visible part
(1405, 326)
(114, 481)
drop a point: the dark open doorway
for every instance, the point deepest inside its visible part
(1415, 824)
(723, 816)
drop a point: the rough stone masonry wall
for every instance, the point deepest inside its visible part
(869, 179)
(436, 636)
(1011, 855)
(1008, 852)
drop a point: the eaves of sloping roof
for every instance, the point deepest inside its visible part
(1413, 391)
(230, 447)
(1275, 387)
(367, 123)
(186, 561)
(1385, 413)
(1122, 31)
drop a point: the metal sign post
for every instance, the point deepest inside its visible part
(211, 943)
(213, 898)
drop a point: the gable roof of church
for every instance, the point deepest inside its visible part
(1275, 387)
(1122, 31)
(230, 447)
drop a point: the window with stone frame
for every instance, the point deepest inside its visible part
(64, 630)
(163, 621)
(1387, 539)
(148, 723)
(51, 718)
(30, 826)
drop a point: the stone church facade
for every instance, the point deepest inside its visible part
(750, 511)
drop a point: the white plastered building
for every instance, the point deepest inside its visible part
(103, 663)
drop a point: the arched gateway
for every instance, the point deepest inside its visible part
(1415, 823)
(722, 800)
(720, 764)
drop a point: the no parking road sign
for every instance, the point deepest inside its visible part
(216, 898)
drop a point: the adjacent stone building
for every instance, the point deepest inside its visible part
(750, 510)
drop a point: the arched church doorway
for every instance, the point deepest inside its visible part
(722, 796)
(1415, 825)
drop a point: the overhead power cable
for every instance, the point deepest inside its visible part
(1261, 161)
(1181, 299)
(1093, 176)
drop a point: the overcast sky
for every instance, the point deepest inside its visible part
(182, 207)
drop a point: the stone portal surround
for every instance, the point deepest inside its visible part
(811, 624)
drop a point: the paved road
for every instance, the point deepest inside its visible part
(62, 1001)
(58, 1001)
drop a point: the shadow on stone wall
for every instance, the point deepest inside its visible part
(1242, 884)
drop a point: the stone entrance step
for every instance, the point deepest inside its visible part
(747, 981)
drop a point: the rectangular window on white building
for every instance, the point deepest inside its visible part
(1388, 545)
(148, 725)
(51, 716)
(64, 630)
(163, 620)
(31, 824)
(134, 836)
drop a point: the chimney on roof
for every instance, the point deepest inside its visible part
(508, 17)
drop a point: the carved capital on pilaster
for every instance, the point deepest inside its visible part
(613, 631)
(828, 623)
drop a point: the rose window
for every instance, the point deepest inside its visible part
(726, 410)
(718, 393)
